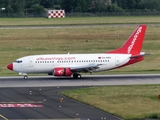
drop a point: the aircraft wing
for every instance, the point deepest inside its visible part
(85, 68)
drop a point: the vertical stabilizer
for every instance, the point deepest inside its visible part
(133, 45)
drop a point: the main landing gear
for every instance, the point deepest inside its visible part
(25, 77)
(76, 75)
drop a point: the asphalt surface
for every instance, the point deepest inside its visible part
(15, 104)
(39, 98)
(86, 80)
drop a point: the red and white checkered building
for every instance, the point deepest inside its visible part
(56, 13)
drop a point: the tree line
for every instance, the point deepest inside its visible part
(79, 6)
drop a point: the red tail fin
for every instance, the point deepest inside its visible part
(133, 45)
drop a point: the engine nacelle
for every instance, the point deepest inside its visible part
(62, 72)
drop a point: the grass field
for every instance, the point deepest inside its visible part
(15, 43)
(127, 102)
(79, 21)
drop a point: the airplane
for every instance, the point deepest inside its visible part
(74, 64)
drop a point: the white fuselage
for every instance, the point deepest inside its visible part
(46, 63)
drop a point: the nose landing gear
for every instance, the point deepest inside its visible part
(24, 74)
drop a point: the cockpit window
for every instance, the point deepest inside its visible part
(18, 61)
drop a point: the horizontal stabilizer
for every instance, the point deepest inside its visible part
(140, 55)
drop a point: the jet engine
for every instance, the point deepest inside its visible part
(62, 72)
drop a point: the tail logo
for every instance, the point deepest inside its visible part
(134, 39)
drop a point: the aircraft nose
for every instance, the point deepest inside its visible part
(10, 66)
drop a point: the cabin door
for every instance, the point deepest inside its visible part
(31, 62)
(117, 61)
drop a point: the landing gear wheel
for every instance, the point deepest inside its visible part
(74, 75)
(77, 76)
(25, 77)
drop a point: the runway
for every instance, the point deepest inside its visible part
(86, 80)
(38, 97)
